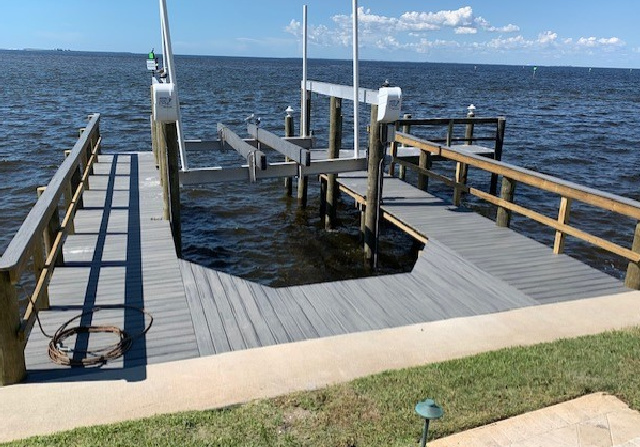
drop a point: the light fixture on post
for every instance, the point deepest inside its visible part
(430, 412)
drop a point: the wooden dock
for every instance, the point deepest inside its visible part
(122, 253)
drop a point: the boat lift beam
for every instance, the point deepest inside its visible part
(296, 153)
(196, 176)
(253, 155)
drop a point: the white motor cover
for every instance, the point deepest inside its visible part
(165, 104)
(389, 104)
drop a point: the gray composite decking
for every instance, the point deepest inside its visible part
(122, 253)
(528, 265)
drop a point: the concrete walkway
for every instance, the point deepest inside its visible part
(236, 377)
(597, 420)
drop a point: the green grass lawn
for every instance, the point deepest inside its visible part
(378, 410)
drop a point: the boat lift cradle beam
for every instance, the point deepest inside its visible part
(298, 154)
(196, 176)
(254, 156)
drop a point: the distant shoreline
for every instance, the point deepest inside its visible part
(69, 51)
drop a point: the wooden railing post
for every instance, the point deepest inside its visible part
(171, 139)
(497, 154)
(288, 132)
(371, 210)
(74, 182)
(335, 144)
(69, 191)
(12, 364)
(632, 279)
(503, 217)
(563, 218)
(51, 231)
(39, 259)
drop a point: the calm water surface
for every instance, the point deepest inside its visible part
(569, 122)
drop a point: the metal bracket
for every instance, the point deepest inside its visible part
(251, 160)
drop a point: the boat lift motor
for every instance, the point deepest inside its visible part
(165, 102)
(389, 104)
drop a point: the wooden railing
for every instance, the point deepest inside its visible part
(38, 242)
(568, 192)
(494, 135)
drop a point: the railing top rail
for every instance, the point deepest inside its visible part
(608, 201)
(446, 121)
(40, 214)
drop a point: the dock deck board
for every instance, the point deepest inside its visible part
(122, 253)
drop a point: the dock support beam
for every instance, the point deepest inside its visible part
(171, 140)
(503, 217)
(335, 144)
(632, 279)
(12, 364)
(373, 181)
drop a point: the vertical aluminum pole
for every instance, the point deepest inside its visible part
(355, 79)
(305, 112)
(167, 54)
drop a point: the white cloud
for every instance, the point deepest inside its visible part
(547, 37)
(486, 26)
(424, 31)
(465, 30)
(594, 42)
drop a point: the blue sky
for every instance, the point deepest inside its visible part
(540, 32)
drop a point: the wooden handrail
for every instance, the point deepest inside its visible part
(19, 249)
(604, 200)
(567, 191)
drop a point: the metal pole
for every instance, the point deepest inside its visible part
(356, 81)
(167, 53)
(425, 433)
(304, 124)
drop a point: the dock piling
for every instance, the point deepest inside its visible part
(497, 154)
(406, 129)
(503, 216)
(373, 186)
(335, 144)
(171, 140)
(563, 218)
(288, 132)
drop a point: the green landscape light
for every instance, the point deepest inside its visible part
(430, 412)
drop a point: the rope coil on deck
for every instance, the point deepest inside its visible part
(59, 354)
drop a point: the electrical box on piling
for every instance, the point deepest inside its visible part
(389, 104)
(165, 103)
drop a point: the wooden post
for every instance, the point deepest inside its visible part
(406, 129)
(173, 176)
(461, 168)
(373, 169)
(69, 192)
(164, 175)
(303, 181)
(503, 217)
(12, 364)
(288, 132)
(632, 279)
(497, 154)
(38, 265)
(335, 144)
(424, 161)
(51, 231)
(563, 218)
